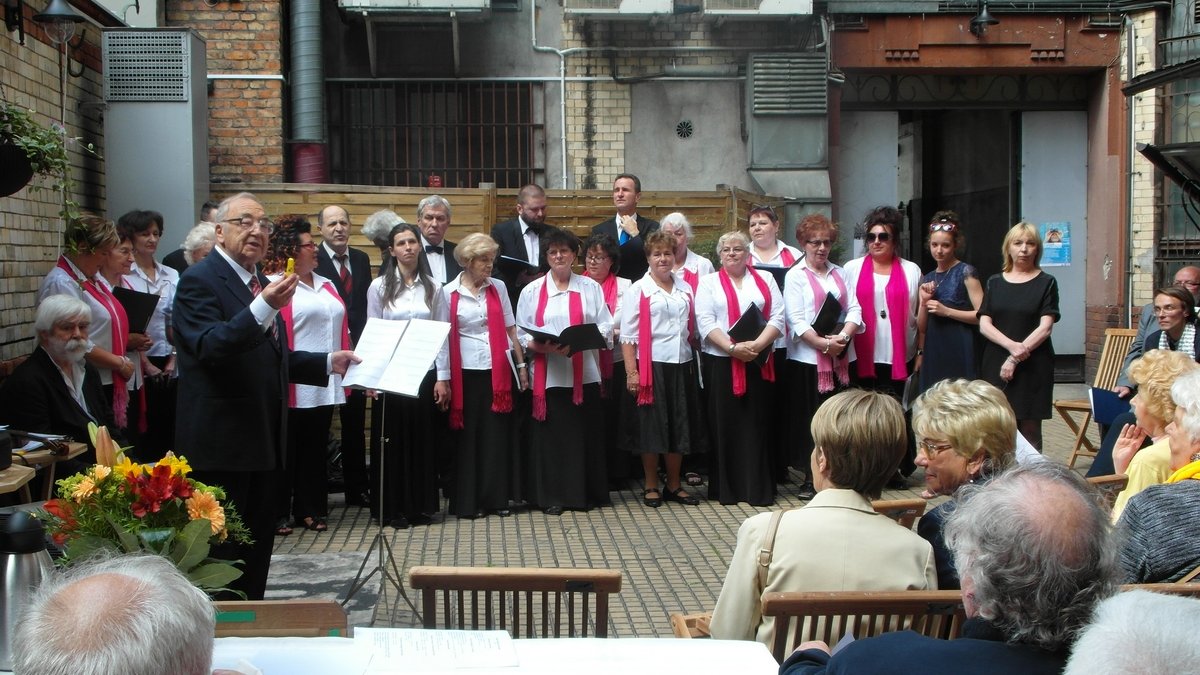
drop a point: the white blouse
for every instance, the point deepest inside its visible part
(712, 307)
(559, 369)
(669, 318)
(623, 285)
(135, 381)
(317, 319)
(883, 326)
(165, 281)
(696, 263)
(410, 304)
(472, 322)
(798, 296)
(777, 259)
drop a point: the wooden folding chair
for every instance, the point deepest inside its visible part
(280, 618)
(1112, 357)
(513, 597)
(1110, 486)
(903, 511)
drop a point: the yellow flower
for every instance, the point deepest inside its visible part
(83, 490)
(126, 467)
(204, 505)
(100, 472)
(179, 465)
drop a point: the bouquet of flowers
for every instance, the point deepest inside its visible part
(122, 506)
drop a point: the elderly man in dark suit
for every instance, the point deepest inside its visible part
(55, 391)
(234, 368)
(350, 270)
(627, 227)
(521, 238)
(433, 219)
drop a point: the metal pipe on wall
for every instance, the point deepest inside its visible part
(307, 76)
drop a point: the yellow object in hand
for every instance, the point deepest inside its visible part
(291, 266)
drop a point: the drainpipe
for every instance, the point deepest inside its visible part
(307, 74)
(562, 87)
(1131, 150)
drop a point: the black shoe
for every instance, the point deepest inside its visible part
(473, 516)
(400, 523)
(678, 495)
(421, 519)
(553, 510)
(806, 491)
(357, 498)
(504, 513)
(653, 502)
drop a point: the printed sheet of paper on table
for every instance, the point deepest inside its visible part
(404, 649)
(396, 355)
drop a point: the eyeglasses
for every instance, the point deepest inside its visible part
(943, 225)
(820, 243)
(731, 250)
(597, 258)
(932, 448)
(1187, 284)
(310, 246)
(247, 222)
(872, 237)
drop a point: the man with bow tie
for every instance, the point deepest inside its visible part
(433, 219)
(521, 237)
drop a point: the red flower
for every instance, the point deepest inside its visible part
(64, 511)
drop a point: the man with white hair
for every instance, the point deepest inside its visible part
(55, 390)
(129, 614)
(1139, 632)
(433, 219)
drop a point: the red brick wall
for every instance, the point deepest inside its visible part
(1097, 318)
(245, 116)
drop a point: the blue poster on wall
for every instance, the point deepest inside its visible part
(1056, 243)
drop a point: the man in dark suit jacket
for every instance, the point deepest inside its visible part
(234, 368)
(36, 397)
(433, 219)
(350, 271)
(516, 237)
(628, 228)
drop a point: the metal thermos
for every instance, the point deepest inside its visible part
(24, 562)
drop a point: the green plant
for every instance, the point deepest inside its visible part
(47, 149)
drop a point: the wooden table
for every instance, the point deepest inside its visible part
(17, 477)
(44, 457)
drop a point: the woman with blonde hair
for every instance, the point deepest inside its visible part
(1020, 307)
(1153, 409)
(966, 432)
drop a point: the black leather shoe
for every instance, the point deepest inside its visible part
(504, 513)
(806, 491)
(473, 516)
(553, 510)
(400, 523)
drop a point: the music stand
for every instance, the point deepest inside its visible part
(386, 565)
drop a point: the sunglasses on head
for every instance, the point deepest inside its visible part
(943, 225)
(872, 237)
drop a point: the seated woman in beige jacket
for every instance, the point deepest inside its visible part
(837, 542)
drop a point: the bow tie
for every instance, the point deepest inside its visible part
(430, 248)
(534, 228)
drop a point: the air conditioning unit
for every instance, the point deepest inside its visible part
(381, 7)
(618, 9)
(758, 8)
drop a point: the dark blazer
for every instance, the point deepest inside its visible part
(980, 651)
(35, 398)
(1153, 338)
(176, 261)
(512, 244)
(360, 276)
(633, 252)
(233, 375)
(452, 267)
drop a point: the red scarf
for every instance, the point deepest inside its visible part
(826, 365)
(896, 295)
(120, 337)
(288, 322)
(691, 278)
(785, 255)
(575, 313)
(735, 313)
(609, 286)
(646, 348)
(498, 341)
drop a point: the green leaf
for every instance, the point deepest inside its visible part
(128, 540)
(191, 546)
(156, 540)
(87, 545)
(214, 575)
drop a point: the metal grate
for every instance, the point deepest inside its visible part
(146, 66)
(466, 133)
(789, 84)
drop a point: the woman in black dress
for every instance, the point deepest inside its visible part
(1020, 307)
(949, 311)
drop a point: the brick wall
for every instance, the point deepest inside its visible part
(30, 229)
(1146, 193)
(245, 118)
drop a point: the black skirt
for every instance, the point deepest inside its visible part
(806, 398)
(484, 460)
(567, 451)
(742, 434)
(675, 421)
(414, 437)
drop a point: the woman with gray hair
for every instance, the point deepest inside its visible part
(482, 331)
(199, 242)
(378, 226)
(688, 265)
(739, 386)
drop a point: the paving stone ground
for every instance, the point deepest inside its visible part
(672, 558)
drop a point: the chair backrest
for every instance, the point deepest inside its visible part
(830, 615)
(1185, 590)
(903, 511)
(1110, 486)
(280, 618)
(1112, 356)
(525, 601)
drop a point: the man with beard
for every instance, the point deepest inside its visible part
(521, 238)
(55, 391)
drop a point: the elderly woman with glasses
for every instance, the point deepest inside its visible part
(1020, 308)
(967, 433)
(950, 299)
(818, 362)
(738, 383)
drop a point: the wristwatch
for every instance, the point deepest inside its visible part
(845, 339)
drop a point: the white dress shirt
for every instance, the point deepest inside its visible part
(798, 297)
(560, 369)
(263, 313)
(472, 335)
(410, 304)
(623, 285)
(317, 318)
(883, 326)
(533, 243)
(669, 319)
(74, 381)
(777, 259)
(712, 307)
(437, 261)
(697, 263)
(165, 281)
(333, 257)
(135, 380)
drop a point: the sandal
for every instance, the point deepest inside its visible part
(315, 524)
(693, 479)
(282, 529)
(653, 502)
(678, 495)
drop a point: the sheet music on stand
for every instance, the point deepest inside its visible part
(396, 355)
